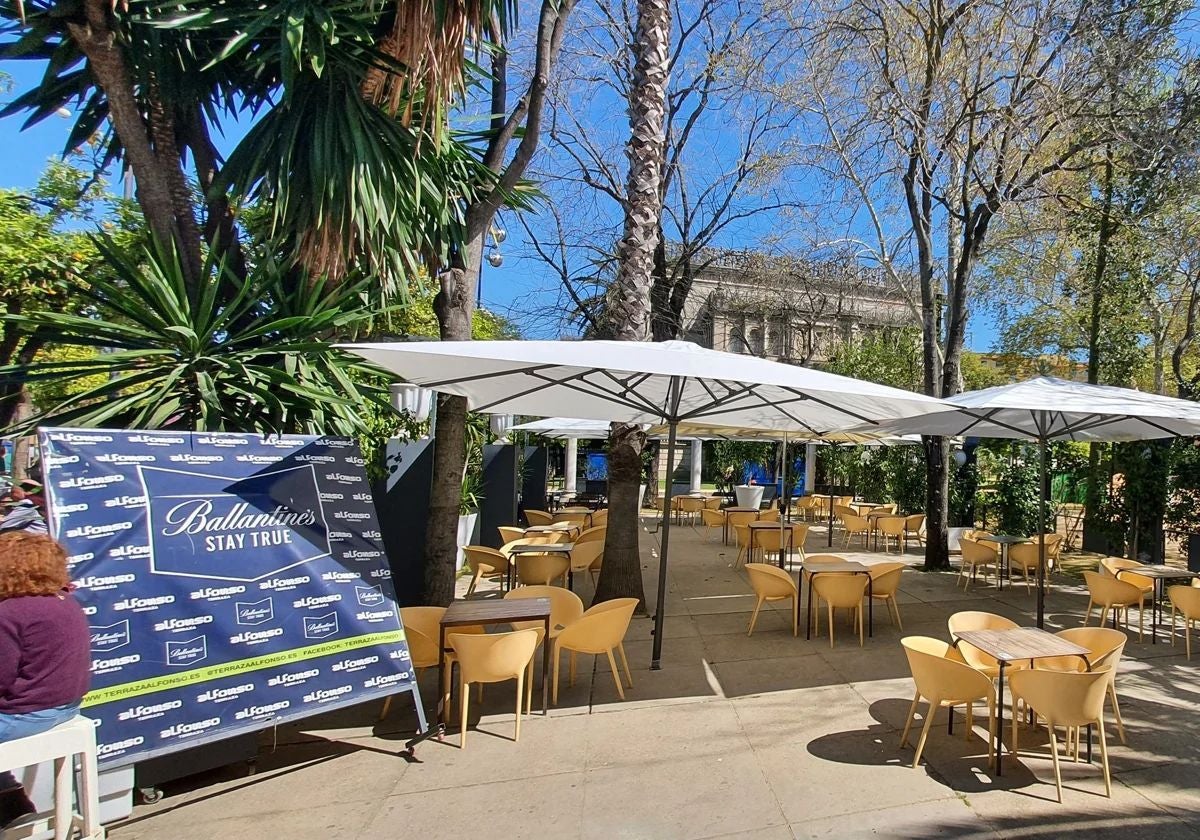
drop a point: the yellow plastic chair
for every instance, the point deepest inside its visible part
(690, 507)
(1110, 593)
(1054, 547)
(539, 517)
(984, 663)
(855, 525)
(791, 537)
(601, 629)
(1025, 557)
(712, 519)
(885, 582)
(509, 533)
(841, 592)
(484, 562)
(892, 528)
(1105, 647)
(1126, 571)
(741, 517)
(575, 518)
(713, 503)
(912, 528)
(596, 533)
(1184, 599)
(422, 627)
(1068, 699)
(943, 681)
(976, 556)
(771, 583)
(599, 517)
(741, 536)
(490, 658)
(565, 608)
(586, 555)
(771, 514)
(541, 569)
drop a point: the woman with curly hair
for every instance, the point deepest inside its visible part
(45, 662)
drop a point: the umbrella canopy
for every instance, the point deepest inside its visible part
(565, 427)
(1054, 409)
(1046, 409)
(643, 382)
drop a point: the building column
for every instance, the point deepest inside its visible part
(810, 467)
(570, 468)
(697, 463)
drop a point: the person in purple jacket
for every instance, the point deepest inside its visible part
(45, 662)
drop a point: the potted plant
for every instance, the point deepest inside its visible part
(468, 512)
(1183, 500)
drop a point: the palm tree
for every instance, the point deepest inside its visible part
(621, 576)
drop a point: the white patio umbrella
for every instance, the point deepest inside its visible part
(1046, 409)
(668, 382)
(565, 428)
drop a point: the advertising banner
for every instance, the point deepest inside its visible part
(231, 582)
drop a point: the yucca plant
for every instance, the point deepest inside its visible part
(252, 355)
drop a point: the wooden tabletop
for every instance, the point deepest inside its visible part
(541, 548)
(1006, 539)
(773, 524)
(1164, 572)
(557, 526)
(575, 510)
(843, 567)
(495, 611)
(741, 510)
(1018, 643)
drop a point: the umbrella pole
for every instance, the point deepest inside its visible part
(662, 553)
(1041, 589)
(785, 501)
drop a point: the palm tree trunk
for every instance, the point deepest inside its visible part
(621, 574)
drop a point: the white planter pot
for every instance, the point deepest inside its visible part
(955, 536)
(642, 495)
(466, 530)
(748, 495)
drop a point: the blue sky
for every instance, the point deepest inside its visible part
(512, 288)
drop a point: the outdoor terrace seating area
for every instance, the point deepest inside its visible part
(766, 734)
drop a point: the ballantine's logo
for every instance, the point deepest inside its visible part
(294, 678)
(142, 604)
(368, 596)
(85, 483)
(254, 637)
(278, 584)
(125, 502)
(261, 711)
(99, 582)
(323, 694)
(217, 593)
(343, 478)
(188, 651)
(220, 695)
(255, 612)
(259, 459)
(108, 637)
(195, 517)
(75, 437)
(149, 712)
(340, 577)
(320, 626)
(382, 574)
(92, 532)
(117, 458)
(174, 625)
(310, 601)
(119, 746)
(157, 440)
(123, 551)
(188, 458)
(182, 730)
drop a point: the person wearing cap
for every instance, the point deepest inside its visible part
(23, 511)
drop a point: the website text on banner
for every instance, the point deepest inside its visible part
(231, 582)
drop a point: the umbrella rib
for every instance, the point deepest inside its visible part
(630, 390)
(478, 377)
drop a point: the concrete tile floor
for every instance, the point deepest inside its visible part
(764, 737)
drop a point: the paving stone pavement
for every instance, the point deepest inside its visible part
(763, 737)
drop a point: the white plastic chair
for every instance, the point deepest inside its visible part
(76, 737)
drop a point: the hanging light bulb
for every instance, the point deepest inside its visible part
(499, 234)
(960, 457)
(495, 259)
